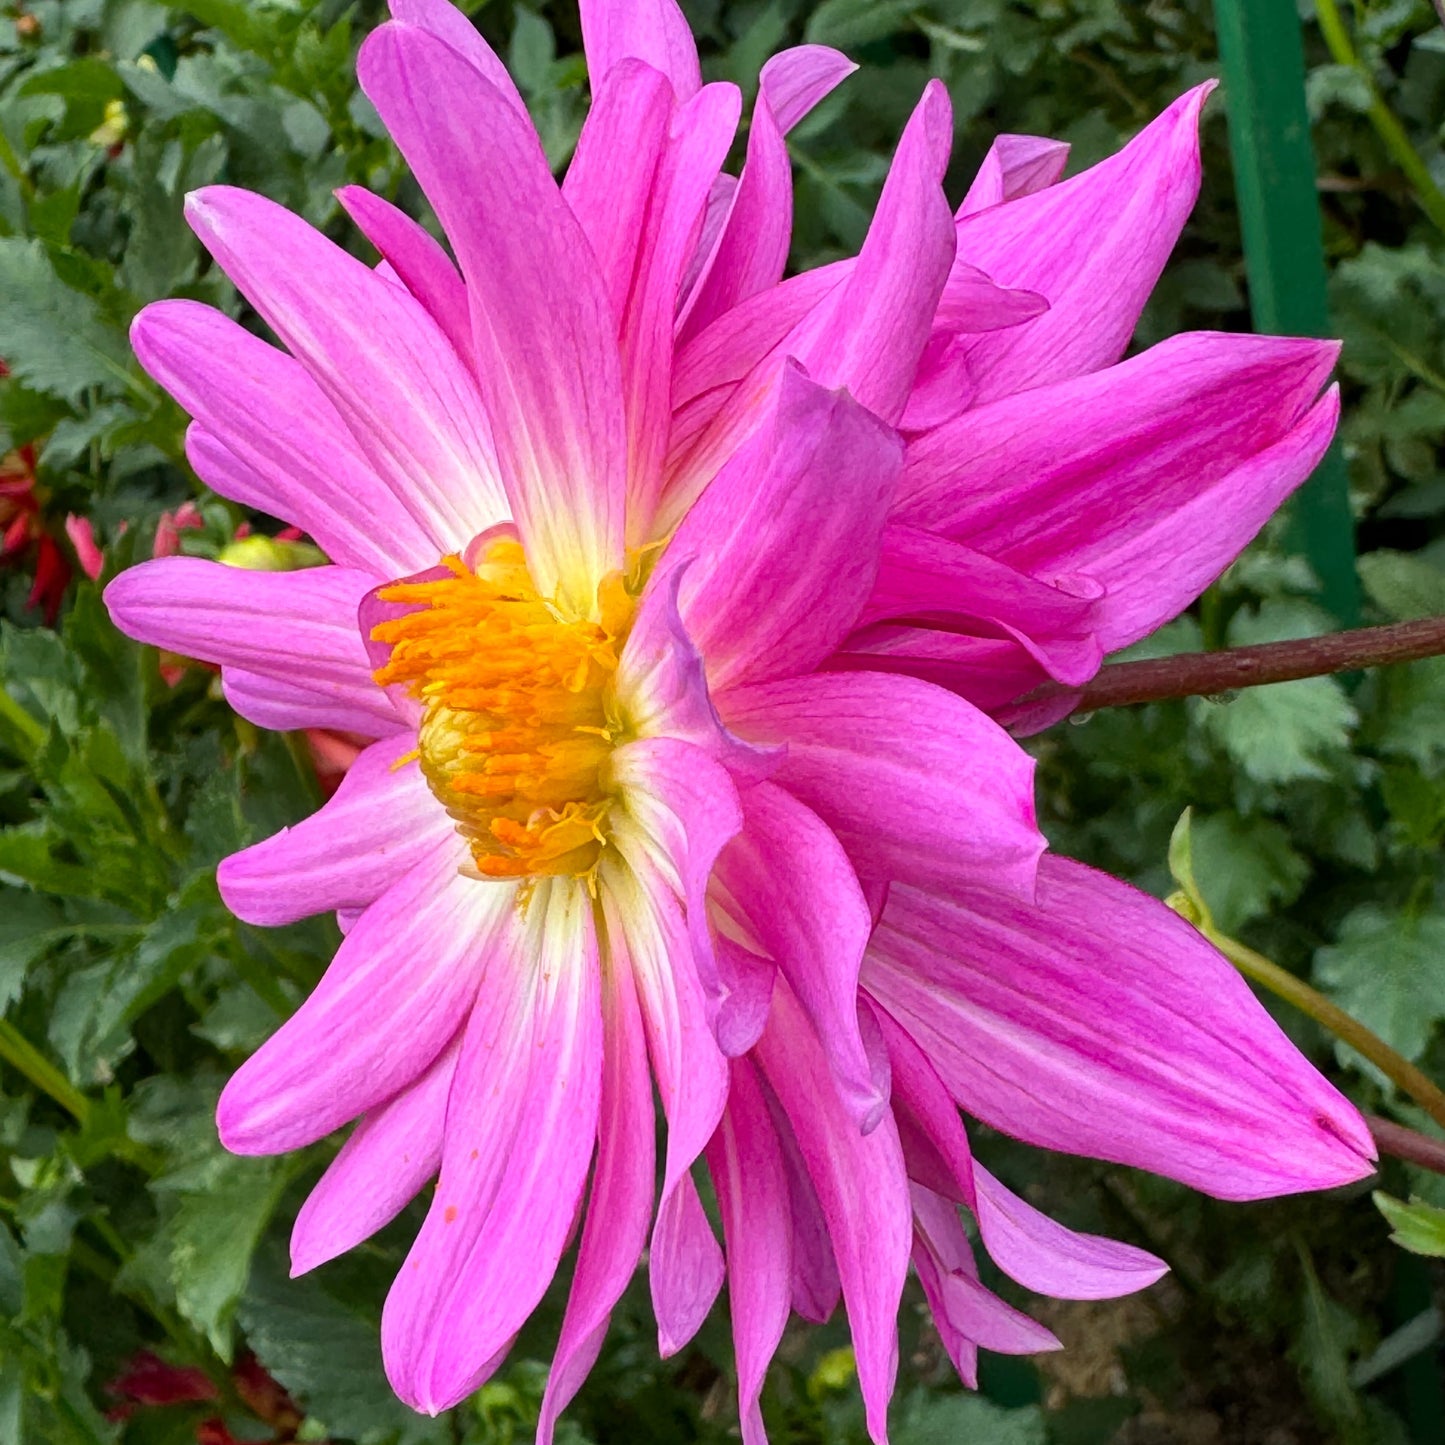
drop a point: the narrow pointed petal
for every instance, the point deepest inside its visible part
(293, 456)
(1097, 1021)
(781, 549)
(750, 251)
(287, 704)
(612, 175)
(620, 1207)
(701, 134)
(394, 996)
(1016, 165)
(444, 20)
(799, 897)
(1148, 478)
(390, 1157)
(863, 1192)
(685, 1268)
(546, 354)
(398, 384)
(655, 31)
(915, 783)
(420, 262)
(751, 1182)
(521, 1123)
(299, 627)
(1043, 1255)
(382, 820)
(1094, 245)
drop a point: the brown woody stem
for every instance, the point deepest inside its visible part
(1410, 1145)
(1207, 674)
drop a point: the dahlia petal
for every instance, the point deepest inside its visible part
(863, 1192)
(751, 1182)
(610, 180)
(620, 1208)
(797, 893)
(268, 438)
(685, 1268)
(914, 782)
(381, 821)
(1044, 1256)
(393, 997)
(1148, 477)
(1094, 245)
(1096, 1021)
(389, 1158)
(546, 354)
(655, 31)
(702, 132)
(870, 333)
(521, 1123)
(399, 386)
(751, 249)
(444, 20)
(782, 546)
(816, 1288)
(299, 627)
(966, 1312)
(1016, 165)
(745, 994)
(935, 1143)
(288, 705)
(420, 262)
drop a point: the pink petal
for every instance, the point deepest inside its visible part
(685, 1267)
(381, 821)
(1149, 477)
(620, 1207)
(914, 782)
(782, 546)
(1043, 1255)
(520, 1127)
(1096, 1021)
(966, 1313)
(863, 1192)
(702, 132)
(299, 627)
(654, 31)
(286, 705)
(399, 386)
(797, 894)
(751, 1182)
(751, 249)
(442, 19)
(267, 437)
(1016, 165)
(1094, 246)
(420, 262)
(546, 354)
(389, 1158)
(611, 178)
(394, 996)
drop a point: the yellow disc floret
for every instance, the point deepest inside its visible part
(516, 723)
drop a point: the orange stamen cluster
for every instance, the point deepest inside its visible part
(515, 729)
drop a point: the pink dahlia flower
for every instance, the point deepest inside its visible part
(624, 536)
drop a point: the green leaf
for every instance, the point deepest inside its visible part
(52, 337)
(848, 24)
(1416, 1226)
(1283, 732)
(1403, 584)
(928, 1419)
(1245, 868)
(1385, 970)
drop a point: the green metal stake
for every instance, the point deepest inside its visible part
(1261, 51)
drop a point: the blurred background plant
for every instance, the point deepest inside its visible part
(143, 1291)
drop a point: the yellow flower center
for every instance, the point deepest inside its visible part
(518, 719)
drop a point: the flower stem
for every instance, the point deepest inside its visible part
(1387, 127)
(1207, 674)
(1408, 1144)
(17, 1051)
(1399, 1070)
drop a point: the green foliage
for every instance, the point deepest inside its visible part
(1416, 1226)
(1319, 807)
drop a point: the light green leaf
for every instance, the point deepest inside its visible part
(1245, 868)
(1416, 1226)
(1283, 732)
